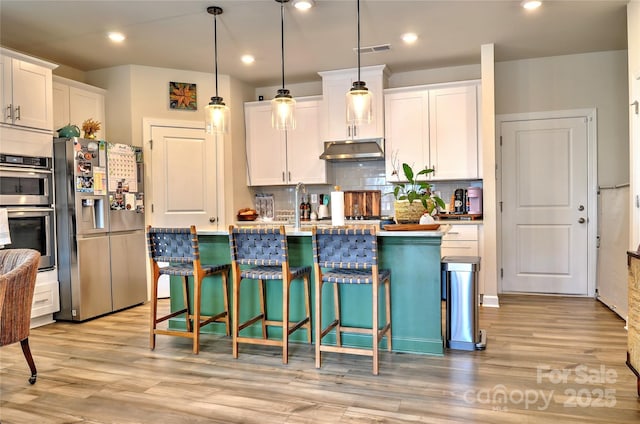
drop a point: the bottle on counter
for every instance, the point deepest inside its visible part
(307, 209)
(302, 207)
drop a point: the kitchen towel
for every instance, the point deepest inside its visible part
(337, 207)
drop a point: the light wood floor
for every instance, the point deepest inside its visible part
(557, 360)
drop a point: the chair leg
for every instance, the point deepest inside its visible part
(187, 302)
(225, 300)
(236, 313)
(197, 299)
(154, 313)
(336, 311)
(318, 320)
(375, 325)
(387, 288)
(286, 283)
(307, 306)
(263, 309)
(27, 355)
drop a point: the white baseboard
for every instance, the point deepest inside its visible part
(490, 301)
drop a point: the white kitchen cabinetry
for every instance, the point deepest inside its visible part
(335, 85)
(460, 240)
(75, 102)
(46, 298)
(433, 126)
(284, 157)
(26, 91)
(465, 240)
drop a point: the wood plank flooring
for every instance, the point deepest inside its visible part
(548, 360)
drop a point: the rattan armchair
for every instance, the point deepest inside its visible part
(18, 269)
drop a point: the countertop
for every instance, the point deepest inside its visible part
(305, 229)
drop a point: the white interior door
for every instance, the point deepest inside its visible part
(183, 178)
(545, 206)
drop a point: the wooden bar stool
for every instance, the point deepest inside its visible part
(179, 247)
(349, 256)
(262, 254)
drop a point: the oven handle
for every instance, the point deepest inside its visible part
(20, 171)
(35, 209)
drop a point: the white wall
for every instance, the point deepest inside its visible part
(136, 92)
(633, 36)
(575, 82)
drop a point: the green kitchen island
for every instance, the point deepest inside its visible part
(412, 256)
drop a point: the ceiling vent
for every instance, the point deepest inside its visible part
(373, 49)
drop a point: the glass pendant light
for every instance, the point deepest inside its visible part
(359, 97)
(216, 112)
(283, 105)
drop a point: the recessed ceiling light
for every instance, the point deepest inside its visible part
(303, 4)
(410, 37)
(116, 37)
(531, 4)
(247, 59)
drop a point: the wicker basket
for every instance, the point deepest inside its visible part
(408, 213)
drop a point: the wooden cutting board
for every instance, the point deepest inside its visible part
(411, 227)
(368, 202)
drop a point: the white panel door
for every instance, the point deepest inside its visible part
(183, 178)
(545, 205)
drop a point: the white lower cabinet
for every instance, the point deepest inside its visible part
(464, 240)
(46, 298)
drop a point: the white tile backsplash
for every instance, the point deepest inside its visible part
(366, 175)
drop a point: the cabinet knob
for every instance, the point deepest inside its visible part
(10, 112)
(17, 113)
(582, 220)
(212, 219)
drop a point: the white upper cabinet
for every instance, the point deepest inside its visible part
(335, 86)
(407, 131)
(453, 132)
(434, 127)
(284, 157)
(26, 91)
(75, 102)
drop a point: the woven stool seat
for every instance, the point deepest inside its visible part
(349, 256)
(179, 248)
(262, 254)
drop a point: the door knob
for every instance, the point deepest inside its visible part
(582, 220)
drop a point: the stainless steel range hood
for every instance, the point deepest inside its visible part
(368, 149)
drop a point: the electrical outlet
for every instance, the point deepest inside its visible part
(314, 198)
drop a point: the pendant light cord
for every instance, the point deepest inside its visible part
(282, 39)
(358, 40)
(215, 44)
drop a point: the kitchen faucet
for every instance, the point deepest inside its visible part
(299, 186)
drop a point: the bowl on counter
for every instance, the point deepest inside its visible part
(251, 217)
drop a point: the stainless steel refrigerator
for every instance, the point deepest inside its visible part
(99, 227)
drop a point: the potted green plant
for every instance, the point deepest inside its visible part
(406, 193)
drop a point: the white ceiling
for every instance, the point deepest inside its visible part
(179, 34)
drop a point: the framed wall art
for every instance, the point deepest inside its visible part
(183, 96)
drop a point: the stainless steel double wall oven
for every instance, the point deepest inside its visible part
(26, 191)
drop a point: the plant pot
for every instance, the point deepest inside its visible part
(408, 213)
